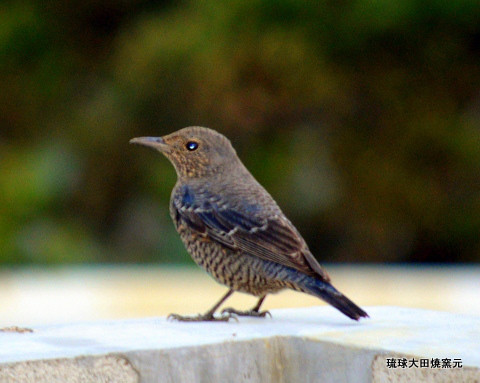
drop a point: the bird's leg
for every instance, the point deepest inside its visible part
(208, 316)
(254, 312)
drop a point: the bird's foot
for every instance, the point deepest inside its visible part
(20, 330)
(247, 313)
(201, 318)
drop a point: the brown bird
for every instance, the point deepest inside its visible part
(234, 229)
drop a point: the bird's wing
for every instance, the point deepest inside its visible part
(272, 239)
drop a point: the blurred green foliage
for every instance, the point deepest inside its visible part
(362, 118)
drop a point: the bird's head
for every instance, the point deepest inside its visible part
(194, 151)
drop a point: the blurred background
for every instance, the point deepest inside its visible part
(361, 118)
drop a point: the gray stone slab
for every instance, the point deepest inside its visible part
(297, 345)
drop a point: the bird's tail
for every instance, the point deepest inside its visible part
(332, 296)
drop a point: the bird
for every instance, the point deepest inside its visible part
(233, 228)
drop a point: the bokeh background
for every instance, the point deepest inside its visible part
(362, 118)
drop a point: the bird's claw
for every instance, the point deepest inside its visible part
(201, 318)
(248, 313)
(17, 329)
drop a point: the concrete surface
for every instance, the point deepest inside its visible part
(315, 344)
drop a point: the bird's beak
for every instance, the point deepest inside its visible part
(153, 142)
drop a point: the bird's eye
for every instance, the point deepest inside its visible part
(191, 145)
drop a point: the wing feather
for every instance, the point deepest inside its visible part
(273, 239)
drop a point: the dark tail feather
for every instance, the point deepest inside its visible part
(332, 296)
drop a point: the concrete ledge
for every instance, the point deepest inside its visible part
(296, 345)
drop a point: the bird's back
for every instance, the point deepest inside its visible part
(235, 210)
